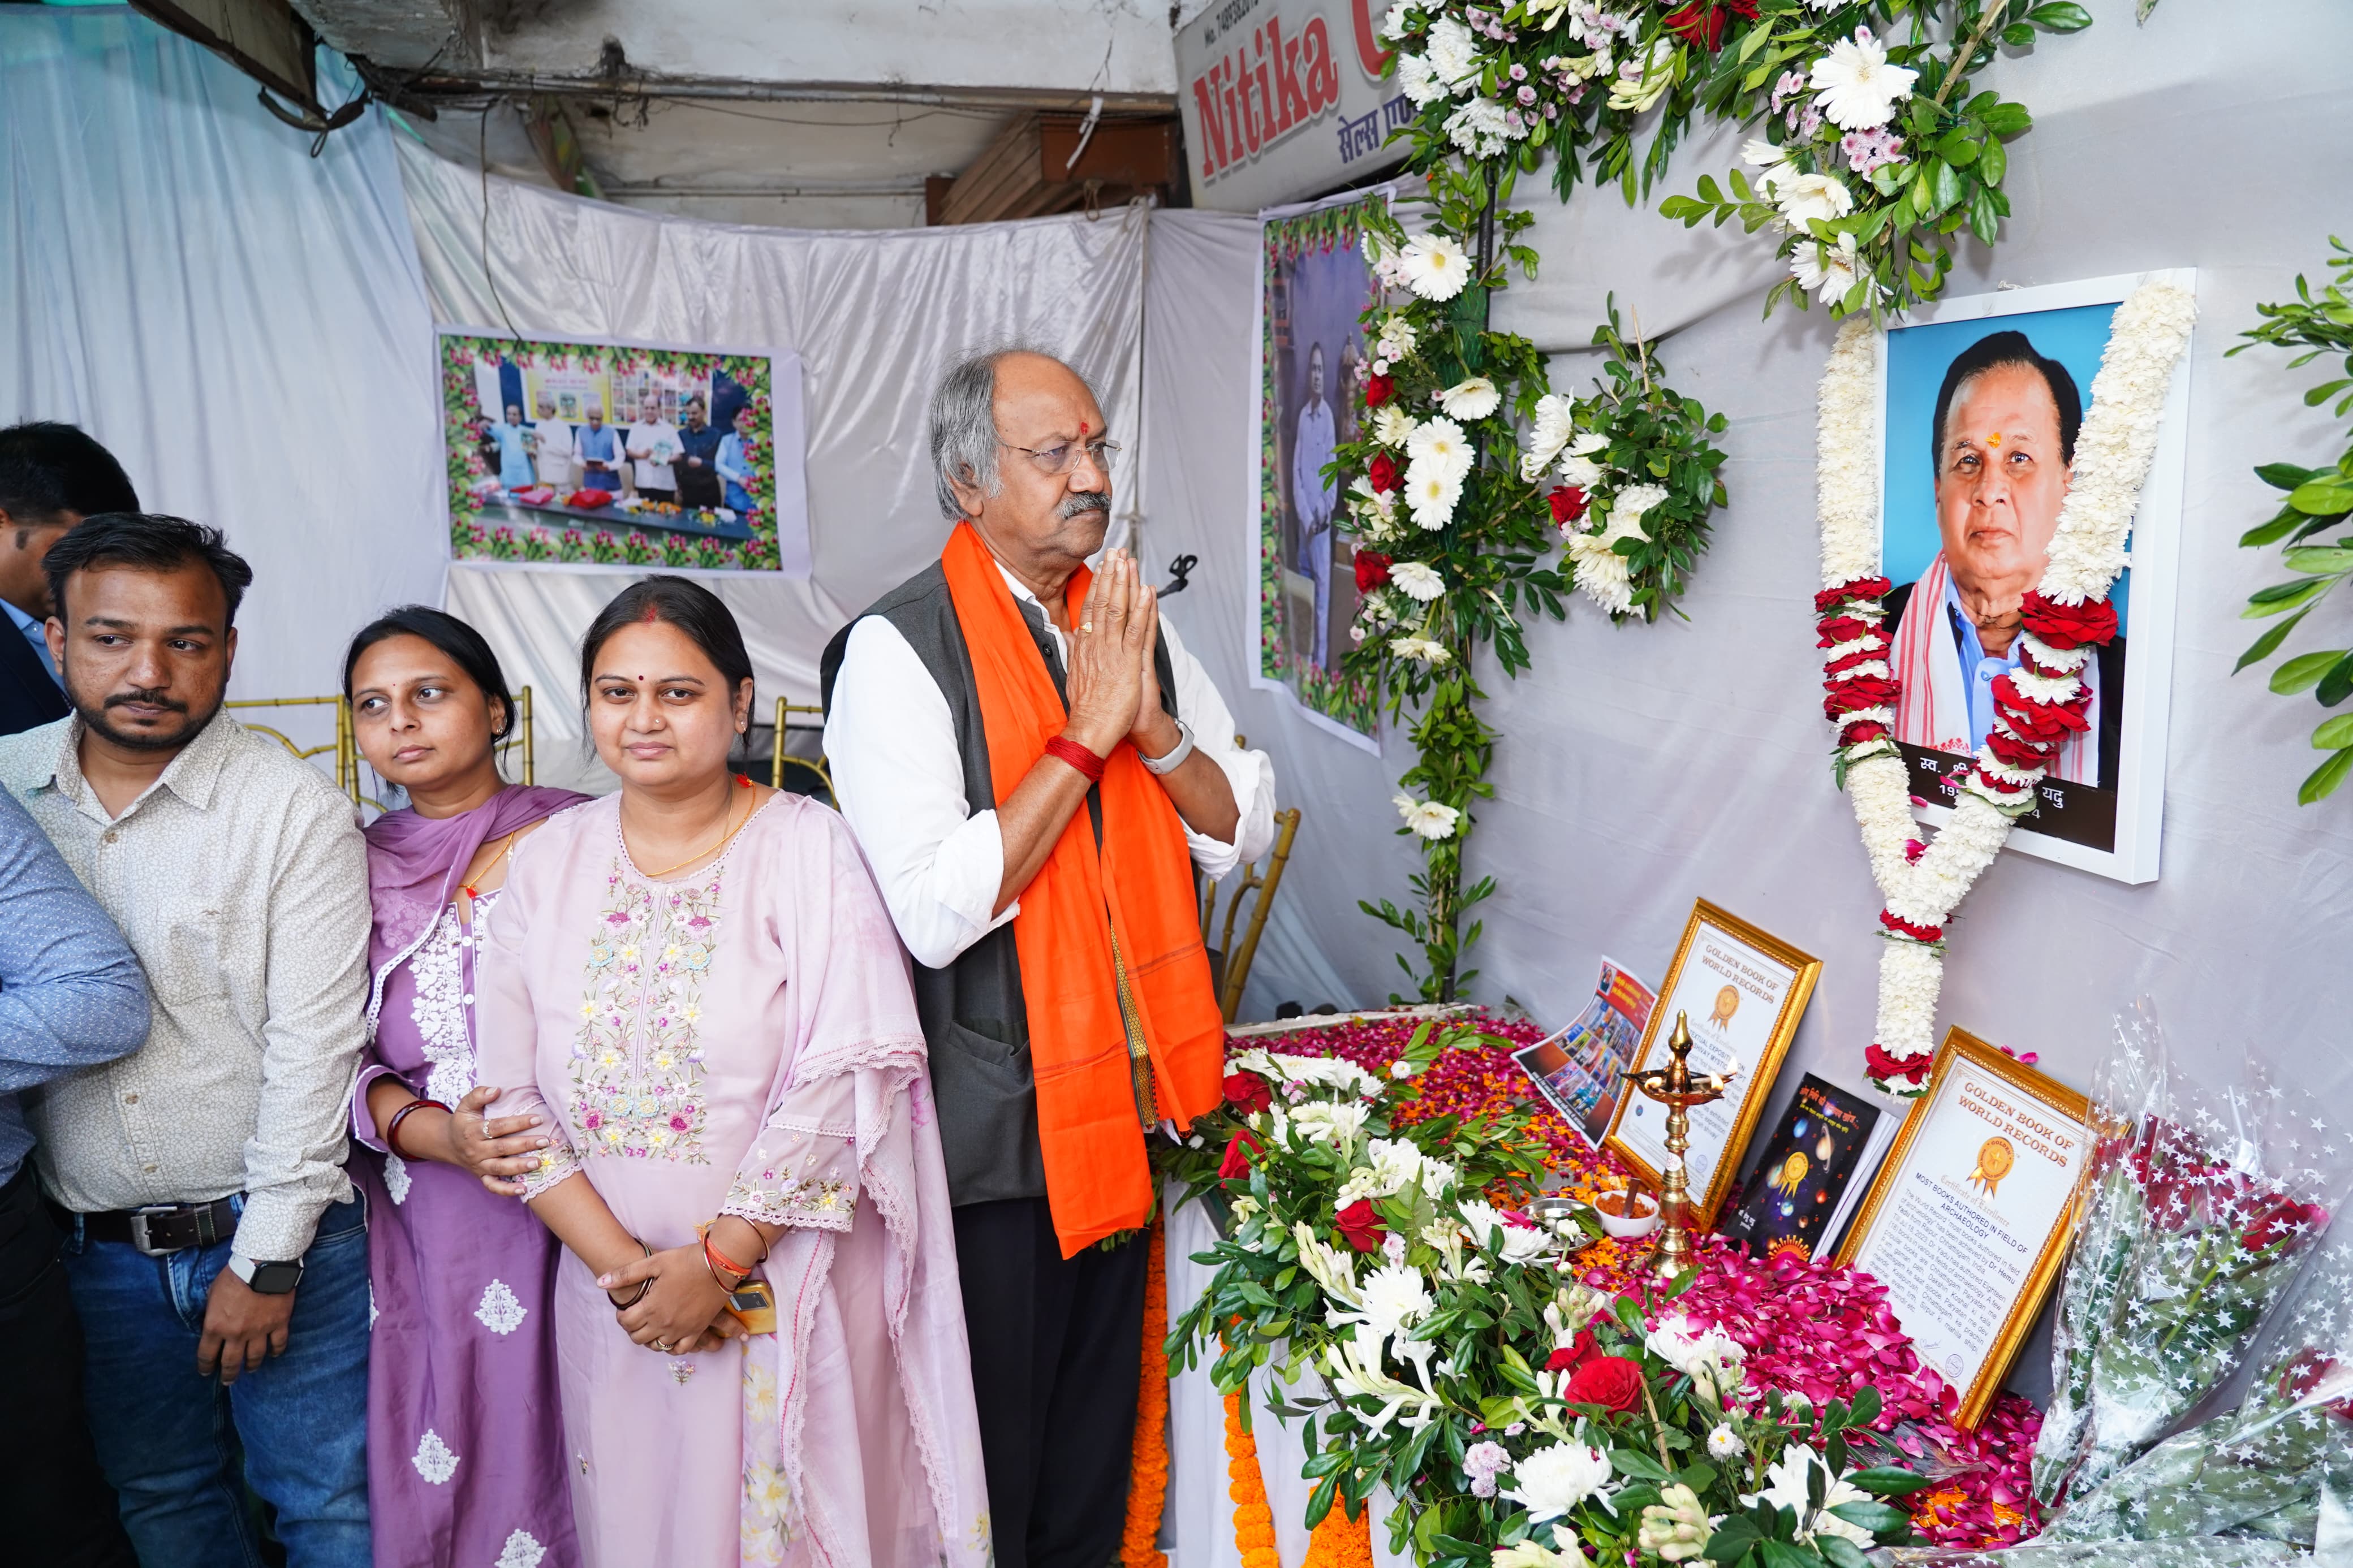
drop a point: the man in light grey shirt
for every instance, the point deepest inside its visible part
(216, 1253)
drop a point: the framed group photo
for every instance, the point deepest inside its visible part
(1741, 992)
(1980, 402)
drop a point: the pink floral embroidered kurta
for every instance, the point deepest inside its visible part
(742, 1040)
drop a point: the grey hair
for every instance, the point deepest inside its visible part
(963, 424)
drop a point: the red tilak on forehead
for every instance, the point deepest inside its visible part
(1083, 429)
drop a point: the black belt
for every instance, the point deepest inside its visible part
(161, 1229)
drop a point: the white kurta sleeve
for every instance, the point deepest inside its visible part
(890, 742)
(1252, 773)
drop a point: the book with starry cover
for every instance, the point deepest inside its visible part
(1802, 1187)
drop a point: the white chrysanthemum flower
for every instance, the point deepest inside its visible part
(1626, 510)
(1418, 80)
(1392, 425)
(1434, 266)
(1422, 650)
(1431, 494)
(1486, 1225)
(1586, 444)
(1427, 817)
(1548, 434)
(1723, 1442)
(1583, 472)
(1827, 271)
(1400, 18)
(1395, 1297)
(1417, 580)
(1453, 52)
(1602, 573)
(1856, 86)
(1474, 398)
(1482, 128)
(1804, 197)
(1555, 1479)
(1391, 1165)
(1771, 163)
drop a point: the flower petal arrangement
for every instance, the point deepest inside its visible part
(2065, 619)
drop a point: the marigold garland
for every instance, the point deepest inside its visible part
(1147, 1486)
(1340, 1541)
(1253, 1521)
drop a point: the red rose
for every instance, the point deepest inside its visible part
(1236, 1165)
(1849, 593)
(1248, 1090)
(1574, 1354)
(2063, 627)
(2284, 1221)
(1382, 472)
(1846, 628)
(1360, 1227)
(1863, 730)
(1377, 391)
(1372, 569)
(1568, 504)
(1859, 657)
(1611, 1381)
(2013, 752)
(1879, 1065)
(1896, 922)
(1861, 692)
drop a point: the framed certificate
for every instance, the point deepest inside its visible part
(1741, 992)
(1968, 1223)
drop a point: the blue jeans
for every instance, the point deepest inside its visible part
(180, 1449)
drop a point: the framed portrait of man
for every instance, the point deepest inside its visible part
(1981, 401)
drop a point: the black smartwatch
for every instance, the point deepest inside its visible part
(267, 1279)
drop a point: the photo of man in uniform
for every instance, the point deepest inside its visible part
(2002, 442)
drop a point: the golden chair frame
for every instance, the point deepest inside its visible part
(1239, 960)
(345, 745)
(780, 762)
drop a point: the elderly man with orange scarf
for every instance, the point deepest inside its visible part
(1034, 765)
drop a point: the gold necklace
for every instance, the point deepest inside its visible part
(724, 838)
(471, 886)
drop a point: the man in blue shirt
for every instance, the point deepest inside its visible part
(71, 996)
(600, 454)
(734, 463)
(51, 477)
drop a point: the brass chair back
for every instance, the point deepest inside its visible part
(816, 765)
(1239, 960)
(345, 745)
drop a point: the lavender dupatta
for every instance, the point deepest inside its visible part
(414, 863)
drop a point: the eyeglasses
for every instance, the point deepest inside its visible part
(1061, 458)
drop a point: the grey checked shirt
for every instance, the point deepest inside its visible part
(241, 880)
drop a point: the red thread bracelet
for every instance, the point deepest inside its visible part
(1077, 756)
(392, 1128)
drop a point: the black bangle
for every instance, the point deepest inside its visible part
(643, 1285)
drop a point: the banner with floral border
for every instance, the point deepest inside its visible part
(522, 485)
(1314, 286)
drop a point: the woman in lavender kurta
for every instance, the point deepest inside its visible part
(696, 982)
(465, 1440)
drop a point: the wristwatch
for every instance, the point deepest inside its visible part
(1177, 753)
(266, 1278)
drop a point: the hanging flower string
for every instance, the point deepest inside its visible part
(2065, 621)
(1253, 1521)
(1148, 1490)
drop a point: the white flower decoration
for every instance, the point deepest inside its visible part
(1602, 573)
(1441, 441)
(1453, 52)
(1474, 398)
(1626, 510)
(1789, 1477)
(1805, 197)
(1417, 580)
(1771, 163)
(500, 1311)
(1398, 337)
(1723, 1442)
(433, 1458)
(1321, 1122)
(1392, 425)
(1827, 271)
(1395, 1298)
(1548, 434)
(1418, 80)
(1432, 495)
(520, 1551)
(1427, 817)
(1434, 266)
(396, 1178)
(1400, 18)
(1422, 650)
(1555, 1479)
(1856, 86)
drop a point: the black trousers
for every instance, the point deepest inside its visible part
(57, 1507)
(1054, 1370)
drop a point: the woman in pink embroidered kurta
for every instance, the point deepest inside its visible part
(737, 1041)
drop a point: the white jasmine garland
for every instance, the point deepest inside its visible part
(1417, 580)
(2113, 452)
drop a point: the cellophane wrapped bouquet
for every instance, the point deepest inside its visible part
(2041, 1553)
(2201, 1209)
(2270, 1469)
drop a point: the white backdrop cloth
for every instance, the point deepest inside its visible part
(876, 317)
(243, 325)
(1641, 767)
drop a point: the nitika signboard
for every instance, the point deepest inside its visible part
(1286, 98)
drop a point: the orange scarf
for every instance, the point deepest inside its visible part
(1136, 892)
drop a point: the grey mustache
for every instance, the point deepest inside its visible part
(1085, 501)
